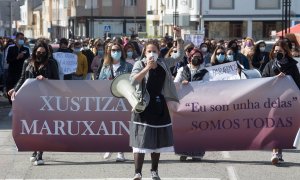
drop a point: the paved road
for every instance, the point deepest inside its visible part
(234, 165)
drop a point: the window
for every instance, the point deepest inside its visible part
(91, 3)
(66, 3)
(190, 4)
(235, 29)
(106, 2)
(221, 4)
(267, 4)
(268, 27)
(130, 2)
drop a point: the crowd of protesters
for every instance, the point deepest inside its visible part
(104, 59)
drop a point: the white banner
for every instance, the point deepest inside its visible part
(67, 62)
(227, 71)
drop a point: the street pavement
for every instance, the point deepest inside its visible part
(221, 165)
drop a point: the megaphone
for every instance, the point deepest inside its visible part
(121, 87)
(251, 73)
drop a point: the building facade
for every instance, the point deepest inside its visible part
(9, 15)
(31, 18)
(220, 19)
(99, 18)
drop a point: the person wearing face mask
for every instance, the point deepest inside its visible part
(204, 47)
(194, 71)
(248, 45)
(238, 56)
(152, 79)
(114, 64)
(260, 56)
(130, 53)
(82, 63)
(219, 56)
(16, 54)
(40, 67)
(98, 59)
(281, 64)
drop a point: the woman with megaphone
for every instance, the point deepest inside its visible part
(151, 130)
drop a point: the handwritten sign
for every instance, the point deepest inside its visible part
(67, 62)
(196, 39)
(227, 71)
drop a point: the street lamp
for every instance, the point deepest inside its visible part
(162, 8)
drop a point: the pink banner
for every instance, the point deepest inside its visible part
(237, 115)
(82, 116)
(79, 116)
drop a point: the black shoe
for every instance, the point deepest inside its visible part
(183, 158)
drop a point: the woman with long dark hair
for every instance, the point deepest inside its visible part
(40, 67)
(281, 64)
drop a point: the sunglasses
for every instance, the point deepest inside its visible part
(115, 50)
(222, 53)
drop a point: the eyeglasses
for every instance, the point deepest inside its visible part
(114, 50)
(222, 53)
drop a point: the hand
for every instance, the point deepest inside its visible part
(281, 74)
(12, 94)
(177, 31)
(20, 55)
(151, 64)
(40, 77)
(185, 82)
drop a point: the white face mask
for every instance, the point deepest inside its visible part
(152, 55)
(262, 49)
(204, 49)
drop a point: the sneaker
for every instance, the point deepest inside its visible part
(137, 176)
(275, 159)
(120, 157)
(33, 157)
(154, 175)
(39, 160)
(107, 155)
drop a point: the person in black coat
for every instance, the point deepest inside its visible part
(41, 67)
(281, 64)
(260, 57)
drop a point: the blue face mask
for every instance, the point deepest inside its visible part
(220, 58)
(116, 55)
(21, 42)
(230, 57)
(77, 50)
(129, 54)
(100, 53)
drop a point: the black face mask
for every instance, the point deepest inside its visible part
(279, 56)
(196, 61)
(41, 58)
